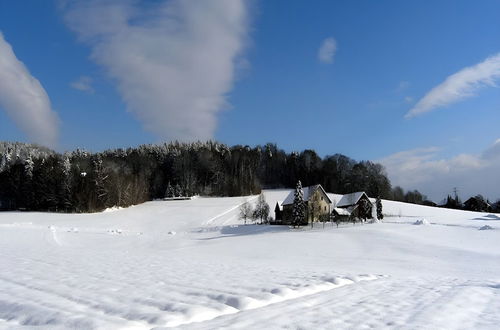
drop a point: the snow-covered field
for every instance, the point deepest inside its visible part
(193, 265)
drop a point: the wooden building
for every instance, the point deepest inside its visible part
(478, 204)
(353, 204)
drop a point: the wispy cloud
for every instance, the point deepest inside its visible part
(173, 61)
(425, 170)
(408, 99)
(327, 50)
(463, 84)
(25, 100)
(84, 84)
(403, 85)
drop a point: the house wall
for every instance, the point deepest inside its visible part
(317, 205)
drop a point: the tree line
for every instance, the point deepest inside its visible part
(36, 178)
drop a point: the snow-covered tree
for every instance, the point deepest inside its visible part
(66, 170)
(378, 204)
(365, 209)
(298, 211)
(100, 176)
(29, 165)
(246, 211)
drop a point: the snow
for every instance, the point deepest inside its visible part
(420, 222)
(193, 265)
(307, 191)
(341, 211)
(349, 199)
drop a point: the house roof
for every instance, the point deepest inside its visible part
(341, 211)
(308, 191)
(350, 199)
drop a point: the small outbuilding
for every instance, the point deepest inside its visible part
(357, 204)
(341, 215)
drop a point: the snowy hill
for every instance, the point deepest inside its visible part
(192, 264)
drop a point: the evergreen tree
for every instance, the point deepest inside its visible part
(99, 179)
(66, 194)
(365, 209)
(298, 211)
(27, 184)
(178, 191)
(169, 193)
(378, 204)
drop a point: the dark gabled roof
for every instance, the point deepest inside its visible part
(308, 191)
(351, 199)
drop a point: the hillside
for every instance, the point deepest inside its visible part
(192, 264)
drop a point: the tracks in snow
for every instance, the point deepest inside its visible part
(388, 303)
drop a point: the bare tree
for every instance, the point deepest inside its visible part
(246, 211)
(261, 209)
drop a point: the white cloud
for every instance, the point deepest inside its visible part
(173, 61)
(25, 100)
(463, 84)
(84, 84)
(435, 176)
(327, 50)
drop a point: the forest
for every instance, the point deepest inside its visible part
(33, 177)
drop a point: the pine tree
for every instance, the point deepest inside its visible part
(169, 193)
(378, 204)
(298, 212)
(178, 191)
(365, 209)
(100, 177)
(27, 187)
(66, 169)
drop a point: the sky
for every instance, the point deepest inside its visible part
(410, 84)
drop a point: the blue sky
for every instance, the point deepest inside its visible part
(251, 74)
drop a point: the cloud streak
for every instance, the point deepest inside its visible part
(25, 100)
(461, 85)
(84, 84)
(423, 169)
(327, 50)
(173, 61)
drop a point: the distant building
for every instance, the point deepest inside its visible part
(317, 205)
(477, 203)
(350, 205)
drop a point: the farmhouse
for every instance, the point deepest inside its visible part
(477, 203)
(355, 205)
(317, 202)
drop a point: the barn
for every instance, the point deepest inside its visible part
(357, 205)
